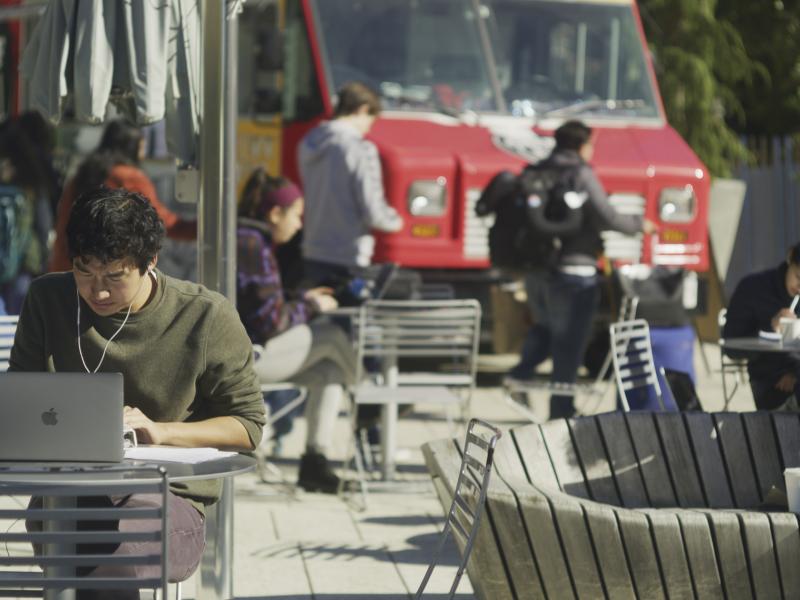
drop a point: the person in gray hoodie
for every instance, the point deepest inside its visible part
(343, 188)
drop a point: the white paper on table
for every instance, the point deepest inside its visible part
(174, 454)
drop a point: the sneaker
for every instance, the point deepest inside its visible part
(316, 474)
(510, 382)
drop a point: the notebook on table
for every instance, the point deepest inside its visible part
(57, 417)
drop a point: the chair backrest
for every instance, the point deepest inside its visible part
(469, 497)
(397, 329)
(8, 327)
(632, 356)
(627, 312)
(64, 542)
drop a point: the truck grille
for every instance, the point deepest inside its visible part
(616, 245)
(476, 229)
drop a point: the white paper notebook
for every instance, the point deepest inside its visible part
(189, 456)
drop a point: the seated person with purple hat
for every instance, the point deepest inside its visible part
(298, 347)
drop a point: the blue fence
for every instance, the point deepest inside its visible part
(770, 221)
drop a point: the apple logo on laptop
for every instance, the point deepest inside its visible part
(50, 417)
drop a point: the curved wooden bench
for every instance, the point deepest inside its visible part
(636, 505)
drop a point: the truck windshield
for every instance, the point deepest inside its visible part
(557, 58)
(548, 57)
(419, 54)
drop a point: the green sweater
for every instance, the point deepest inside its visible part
(185, 356)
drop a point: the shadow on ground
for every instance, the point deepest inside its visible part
(420, 553)
(405, 520)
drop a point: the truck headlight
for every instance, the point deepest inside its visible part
(677, 205)
(427, 197)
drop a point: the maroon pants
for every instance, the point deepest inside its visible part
(185, 543)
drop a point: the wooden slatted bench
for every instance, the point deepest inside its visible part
(637, 505)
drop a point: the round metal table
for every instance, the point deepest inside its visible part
(216, 566)
(757, 344)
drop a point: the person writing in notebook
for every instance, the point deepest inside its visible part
(299, 345)
(186, 359)
(759, 302)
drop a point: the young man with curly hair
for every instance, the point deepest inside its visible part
(185, 357)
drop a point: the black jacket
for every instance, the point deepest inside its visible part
(598, 215)
(756, 299)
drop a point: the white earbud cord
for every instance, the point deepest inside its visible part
(128, 314)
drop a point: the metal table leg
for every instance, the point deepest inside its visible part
(389, 424)
(55, 548)
(216, 566)
(388, 440)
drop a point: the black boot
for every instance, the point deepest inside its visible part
(316, 474)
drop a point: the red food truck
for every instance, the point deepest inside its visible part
(470, 87)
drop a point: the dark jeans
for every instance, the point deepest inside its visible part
(767, 397)
(562, 307)
(186, 541)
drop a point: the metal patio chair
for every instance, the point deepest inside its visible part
(469, 498)
(634, 368)
(8, 327)
(264, 467)
(399, 334)
(66, 545)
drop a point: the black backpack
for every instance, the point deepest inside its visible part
(531, 215)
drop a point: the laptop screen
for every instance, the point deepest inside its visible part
(50, 417)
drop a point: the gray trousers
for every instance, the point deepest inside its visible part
(186, 542)
(320, 357)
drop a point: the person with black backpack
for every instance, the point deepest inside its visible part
(567, 208)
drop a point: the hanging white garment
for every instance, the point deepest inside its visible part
(183, 91)
(142, 55)
(44, 61)
(145, 55)
(92, 64)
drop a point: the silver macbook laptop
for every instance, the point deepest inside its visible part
(48, 417)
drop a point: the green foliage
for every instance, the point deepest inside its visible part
(700, 61)
(770, 30)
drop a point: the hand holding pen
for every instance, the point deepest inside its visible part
(785, 313)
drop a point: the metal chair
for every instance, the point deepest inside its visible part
(627, 312)
(632, 356)
(64, 540)
(731, 368)
(399, 333)
(8, 327)
(264, 467)
(469, 497)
